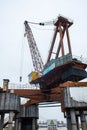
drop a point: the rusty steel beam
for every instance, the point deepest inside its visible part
(73, 84)
(52, 45)
(60, 42)
(55, 94)
(52, 97)
(63, 20)
(56, 90)
(68, 39)
(26, 92)
(39, 96)
(31, 102)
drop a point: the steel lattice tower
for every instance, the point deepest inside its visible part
(36, 58)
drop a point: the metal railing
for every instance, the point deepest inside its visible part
(80, 58)
(23, 86)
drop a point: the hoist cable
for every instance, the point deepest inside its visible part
(42, 29)
(21, 57)
(43, 23)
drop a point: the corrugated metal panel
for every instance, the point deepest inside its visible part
(29, 111)
(9, 102)
(69, 102)
(57, 62)
(49, 63)
(63, 59)
(69, 57)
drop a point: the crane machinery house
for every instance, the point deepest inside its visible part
(33, 76)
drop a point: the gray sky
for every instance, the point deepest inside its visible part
(12, 17)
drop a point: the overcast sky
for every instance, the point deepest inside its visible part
(13, 13)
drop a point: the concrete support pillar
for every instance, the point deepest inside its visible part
(1, 121)
(77, 122)
(86, 120)
(68, 117)
(33, 124)
(16, 124)
(19, 124)
(5, 84)
(83, 120)
(10, 120)
(73, 119)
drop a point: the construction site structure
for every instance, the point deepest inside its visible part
(14, 115)
(60, 70)
(27, 118)
(9, 104)
(62, 25)
(57, 77)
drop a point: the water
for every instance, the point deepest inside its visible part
(59, 128)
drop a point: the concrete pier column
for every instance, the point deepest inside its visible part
(86, 120)
(10, 120)
(83, 120)
(5, 84)
(33, 124)
(68, 117)
(29, 116)
(77, 122)
(73, 119)
(19, 124)
(1, 121)
(16, 124)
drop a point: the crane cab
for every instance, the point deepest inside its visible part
(33, 76)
